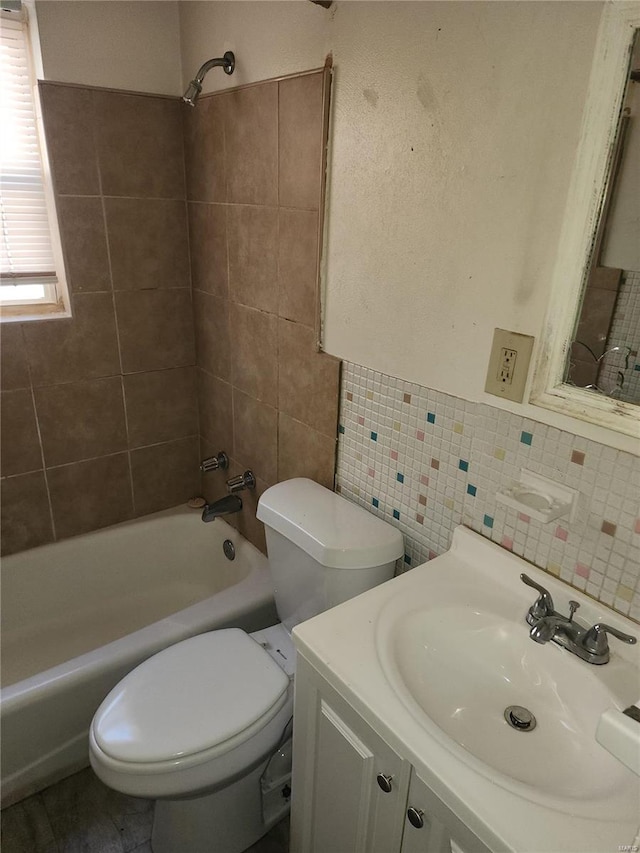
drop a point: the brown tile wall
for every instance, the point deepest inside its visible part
(99, 412)
(173, 353)
(267, 396)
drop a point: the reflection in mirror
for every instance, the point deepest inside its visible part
(605, 351)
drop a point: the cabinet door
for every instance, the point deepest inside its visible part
(431, 827)
(338, 804)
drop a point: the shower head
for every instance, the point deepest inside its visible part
(227, 63)
(191, 95)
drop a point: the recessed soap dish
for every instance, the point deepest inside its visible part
(539, 498)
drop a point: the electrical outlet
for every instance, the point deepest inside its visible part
(509, 365)
(506, 365)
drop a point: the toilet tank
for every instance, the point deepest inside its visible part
(322, 548)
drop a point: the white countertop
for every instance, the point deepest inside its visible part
(342, 645)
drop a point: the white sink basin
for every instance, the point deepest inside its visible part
(431, 660)
(461, 659)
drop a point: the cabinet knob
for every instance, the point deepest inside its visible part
(385, 782)
(415, 817)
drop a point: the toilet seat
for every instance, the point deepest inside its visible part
(191, 716)
(191, 697)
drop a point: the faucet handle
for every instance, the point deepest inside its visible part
(543, 606)
(241, 481)
(573, 606)
(595, 640)
(212, 463)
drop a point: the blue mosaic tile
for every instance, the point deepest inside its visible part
(396, 515)
(375, 502)
(341, 429)
(526, 438)
(488, 521)
(374, 436)
(431, 418)
(471, 490)
(462, 465)
(400, 477)
(407, 559)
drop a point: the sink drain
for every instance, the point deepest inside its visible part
(519, 718)
(229, 549)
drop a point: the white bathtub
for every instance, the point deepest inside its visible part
(79, 614)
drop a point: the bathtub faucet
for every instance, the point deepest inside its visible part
(224, 506)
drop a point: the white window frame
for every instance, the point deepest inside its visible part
(55, 303)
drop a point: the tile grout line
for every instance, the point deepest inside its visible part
(44, 469)
(111, 455)
(37, 420)
(276, 206)
(183, 119)
(232, 371)
(278, 282)
(115, 310)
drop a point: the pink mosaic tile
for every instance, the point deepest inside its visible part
(394, 455)
(507, 542)
(561, 534)
(360, 420)
(371, 472)
(420, 435)
(636, 528)
(582, 570)
(422, 500)
(524, 517)
(424, 480)
(432, 555)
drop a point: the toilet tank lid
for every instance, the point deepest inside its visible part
(335, 532)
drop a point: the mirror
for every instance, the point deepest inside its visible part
(588, 363)
(605, 351)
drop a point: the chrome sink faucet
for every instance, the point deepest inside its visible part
(589, 644)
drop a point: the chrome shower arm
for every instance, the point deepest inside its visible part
(226, 62)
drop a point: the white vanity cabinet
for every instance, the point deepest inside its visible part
(352, 793)
(430, 827)
(392, 682)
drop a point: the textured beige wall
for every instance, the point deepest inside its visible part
(454, 131)
(455, 126)
(120, 45)
(269, 37)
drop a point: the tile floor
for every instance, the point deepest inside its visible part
(81, 815)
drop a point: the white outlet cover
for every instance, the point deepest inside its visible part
(522, 346)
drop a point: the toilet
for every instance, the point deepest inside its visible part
(204, 726)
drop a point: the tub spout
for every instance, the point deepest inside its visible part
(225, 506)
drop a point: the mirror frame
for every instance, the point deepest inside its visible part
(591, 173)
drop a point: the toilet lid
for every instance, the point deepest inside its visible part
(188, 698)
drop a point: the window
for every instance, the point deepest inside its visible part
(32, 282)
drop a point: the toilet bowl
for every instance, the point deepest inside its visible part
(195, 726)
(192, 718)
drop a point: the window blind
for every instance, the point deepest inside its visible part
(26, 253)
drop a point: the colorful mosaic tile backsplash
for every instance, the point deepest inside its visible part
(426, 462)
